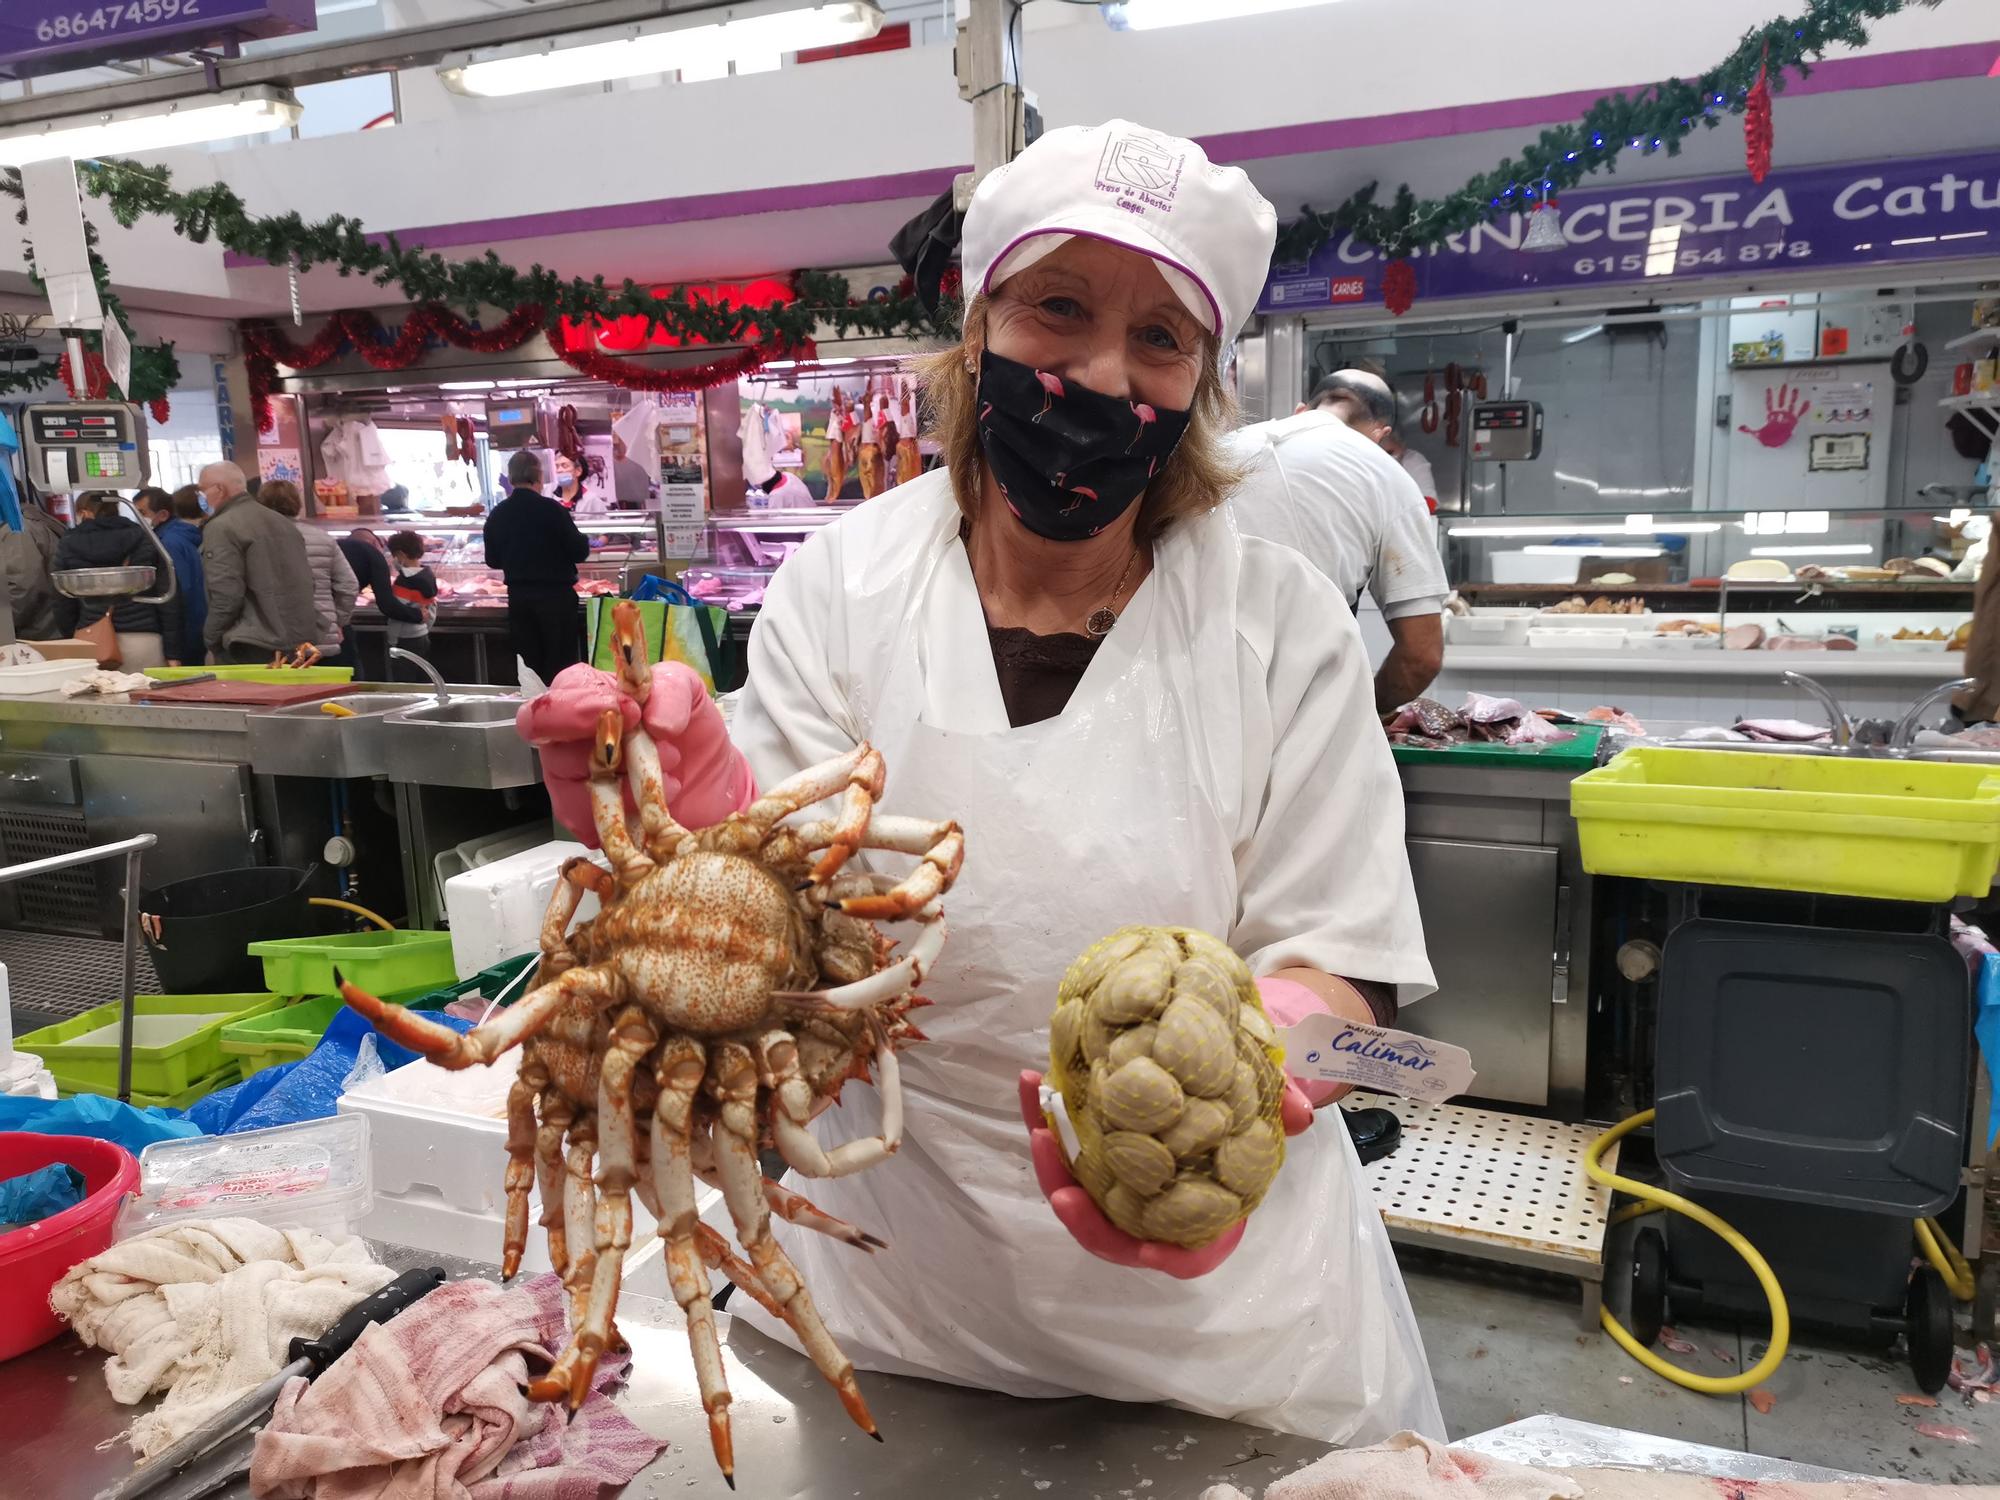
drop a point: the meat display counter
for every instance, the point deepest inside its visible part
(469, 635)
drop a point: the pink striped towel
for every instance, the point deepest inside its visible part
(433, 1406)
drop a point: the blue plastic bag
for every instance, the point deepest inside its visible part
(309, 1089)
(98, 1116)
(1986, 1027)
(653, 587)
(38, 1195)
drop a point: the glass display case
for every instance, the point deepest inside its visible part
(736, 554)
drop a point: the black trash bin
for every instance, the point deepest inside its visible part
(204, 924)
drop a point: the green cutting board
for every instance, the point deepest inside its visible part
(1579, 754)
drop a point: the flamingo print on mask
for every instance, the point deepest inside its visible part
(1147, 417)
(1081, 494)
(1052, 391)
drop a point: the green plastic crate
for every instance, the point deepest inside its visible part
(200, 1089)
(383, 963)
(279, 1036)
(92, 1067)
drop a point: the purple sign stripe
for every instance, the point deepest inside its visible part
(1706, 229)
(44, 36)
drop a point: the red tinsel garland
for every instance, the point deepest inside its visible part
(160, 409)
(1759, 134)
(1399, 286)
(266, 347)
(97, 378)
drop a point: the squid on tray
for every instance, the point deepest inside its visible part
(732, 982)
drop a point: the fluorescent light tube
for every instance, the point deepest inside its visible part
(1836, 549)
(1151, 15)
(695, 52)
(185, 122)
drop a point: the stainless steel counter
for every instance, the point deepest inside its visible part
(792, 1438)
(1506, 906)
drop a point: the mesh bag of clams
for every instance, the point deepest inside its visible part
(1172, 1078)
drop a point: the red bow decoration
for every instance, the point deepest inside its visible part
(1399, 286)
(1758, 134)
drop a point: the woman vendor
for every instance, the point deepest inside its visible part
(1137, 715)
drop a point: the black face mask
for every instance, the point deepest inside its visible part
(1068, 461)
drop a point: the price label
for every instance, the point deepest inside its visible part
(1325, 1049)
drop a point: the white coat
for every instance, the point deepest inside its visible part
(1219, 766)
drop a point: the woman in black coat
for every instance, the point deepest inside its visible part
(148, 635)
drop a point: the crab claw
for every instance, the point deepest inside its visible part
(628, 644)
(607, 750)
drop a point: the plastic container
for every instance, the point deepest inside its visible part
(1498, 629)
(496, 911)
(42, 677)
(437, 1134)
(380, 962)
(279, 1036)
(207, 922)
(34, 1257)
(286, 675)
(177, 1041)
(477, 854)
(1547, 638)
(1891, 830)
(313, 1175)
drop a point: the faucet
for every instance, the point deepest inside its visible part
(1836, 716)
(422, 665)
(1905, 732)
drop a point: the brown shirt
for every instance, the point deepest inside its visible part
(1038, 673)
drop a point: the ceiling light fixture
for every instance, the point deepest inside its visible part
(752, 39)
(148, 128)
(1825, 549)
(1151, 15)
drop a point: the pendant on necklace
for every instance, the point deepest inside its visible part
(1100, 622)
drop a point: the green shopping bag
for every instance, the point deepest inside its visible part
(691, 634)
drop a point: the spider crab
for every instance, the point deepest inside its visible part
(696, 999)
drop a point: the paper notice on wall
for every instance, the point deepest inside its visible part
(1840, 403)
(118, 356)
(1326, 1049)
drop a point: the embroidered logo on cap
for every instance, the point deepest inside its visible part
(1142, 172)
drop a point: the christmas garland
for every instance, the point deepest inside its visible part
(1656, 118)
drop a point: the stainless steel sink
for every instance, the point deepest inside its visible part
(305, 740)
(461, 742)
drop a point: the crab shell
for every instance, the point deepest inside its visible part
(1172, 1079)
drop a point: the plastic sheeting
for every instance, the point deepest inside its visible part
(309, 1089)
(98, 1117)
(40, 1194)
(1986, 1026)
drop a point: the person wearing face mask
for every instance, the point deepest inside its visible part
(1063, 644)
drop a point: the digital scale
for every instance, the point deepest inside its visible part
(81, 445)
(1506, 432)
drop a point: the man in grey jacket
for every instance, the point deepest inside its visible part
(260, 585)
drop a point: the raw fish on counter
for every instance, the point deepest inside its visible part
(1428, 724)
(1613, 719)
(1782, 731)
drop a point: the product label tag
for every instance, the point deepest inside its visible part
(1324, 1048)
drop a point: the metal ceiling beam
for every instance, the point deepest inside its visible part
(412, 47)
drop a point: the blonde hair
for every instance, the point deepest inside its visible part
(1197, 478)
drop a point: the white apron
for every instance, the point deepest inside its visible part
(1074, 827)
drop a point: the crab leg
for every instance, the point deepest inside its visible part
(607, 800)
(522, 1133)
(631, 1039)
(884, 984)
(679, 1071)
(923, 885)
(717, 1256)
(733, 1081)
(557, 1115)
(793, 1099)
(579, 1209)
(793, 1208)
(593, 987)
(859, 772)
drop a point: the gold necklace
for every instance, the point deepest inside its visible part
(1106, 615)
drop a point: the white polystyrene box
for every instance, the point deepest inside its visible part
(496, 911)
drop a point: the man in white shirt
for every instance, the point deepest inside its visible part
(1414, 464)
(1325, 489)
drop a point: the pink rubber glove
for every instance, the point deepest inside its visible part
(1287, 1002)
(705, 777)
(714, 778)
(1086, 1222)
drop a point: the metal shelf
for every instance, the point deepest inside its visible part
(1979, 338)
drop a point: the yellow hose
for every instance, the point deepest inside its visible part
(1943, 1254)
(359, 911)
(1652, 1197)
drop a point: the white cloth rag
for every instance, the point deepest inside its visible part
(205, 1309)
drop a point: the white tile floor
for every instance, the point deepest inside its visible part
(1504, 1346)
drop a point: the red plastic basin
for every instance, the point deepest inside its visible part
(34, 1257)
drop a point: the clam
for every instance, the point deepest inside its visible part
(1142, 1096)
(1191, 1212)
(1199, 1130)
(1137, 1042)
(1141, 1162)
(1247, 1162)
(1193, 1044)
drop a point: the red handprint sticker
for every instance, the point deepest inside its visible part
(1783, 410)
